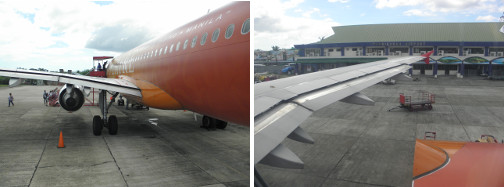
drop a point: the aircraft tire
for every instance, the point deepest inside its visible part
(213, 124)
(208, 122)
(113, 125)
(97, 125)
(205, 122)
(221, 124)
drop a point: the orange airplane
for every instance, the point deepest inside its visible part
(202, 66)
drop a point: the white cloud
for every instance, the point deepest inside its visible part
(417, 12)
(430, 7)
(395, 3)
(340, 1)
(59, 31)
(273, 27)
(488, 18)
(308, 14)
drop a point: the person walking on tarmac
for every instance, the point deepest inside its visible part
(11, 99)
(45, 96)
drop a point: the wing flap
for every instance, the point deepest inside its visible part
(310, 85)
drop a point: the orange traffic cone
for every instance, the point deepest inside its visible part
(60, 143)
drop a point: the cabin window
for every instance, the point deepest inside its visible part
(151, 54)
(246, 27)
(194, 41)
(203, 38)
(165, 49)
(155, 54)
(229, 31)
(185, 43)
(215, 35)
(178, 46)
(171, 48)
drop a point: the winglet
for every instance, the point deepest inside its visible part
(427, 56)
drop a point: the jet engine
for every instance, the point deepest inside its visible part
(71, 97)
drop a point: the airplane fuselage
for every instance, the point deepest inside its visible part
(202, 66)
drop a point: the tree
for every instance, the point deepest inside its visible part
(275, 48)
(84, 72)
(4, 80)
(321, 38)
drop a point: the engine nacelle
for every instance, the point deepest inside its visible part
(71, 98)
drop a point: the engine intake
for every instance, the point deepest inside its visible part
(71, 98)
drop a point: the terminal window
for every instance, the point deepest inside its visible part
(448, 49)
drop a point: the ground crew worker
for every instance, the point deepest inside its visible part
(45, 96)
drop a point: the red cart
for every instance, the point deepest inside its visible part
(423, 101)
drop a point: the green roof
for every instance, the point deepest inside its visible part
(338, 60)
(433, 32)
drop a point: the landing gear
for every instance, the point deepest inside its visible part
(111, 122)
(221, 124)
(211, 123)
(97, 125)
(112, 125)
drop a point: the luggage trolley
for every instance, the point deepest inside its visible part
(423, 101)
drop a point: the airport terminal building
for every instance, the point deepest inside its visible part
(460, 49)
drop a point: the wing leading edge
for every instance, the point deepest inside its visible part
(115, 85)
(280, 106)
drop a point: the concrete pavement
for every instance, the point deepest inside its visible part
(369, 146)
(175, 152)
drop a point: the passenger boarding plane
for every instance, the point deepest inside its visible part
(202, 66)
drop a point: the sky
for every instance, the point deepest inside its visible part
(66, 34)
(286, 23)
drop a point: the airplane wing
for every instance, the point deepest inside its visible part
(280, 106)
(110, 84)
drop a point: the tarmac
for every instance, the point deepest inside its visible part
(368, 146)
(152, 147)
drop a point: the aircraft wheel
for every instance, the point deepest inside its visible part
(113, 126)
(208, 123)
(205, 122)
(97, 125)
(221, 124)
